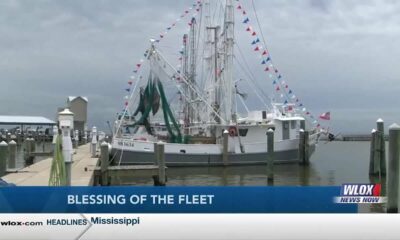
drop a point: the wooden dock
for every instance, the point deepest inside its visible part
(89, 171)
(38, 174)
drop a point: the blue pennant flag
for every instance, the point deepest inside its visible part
(178, 71)
(263, 62)
(246, 20)
(168, 28)
(301, 105)
(257, 40)
(135, 71)
(274, 82)
(280, 76)
(286, 102)
(158, 40)
(181, 52)
(268, 59)
(128, 89)
(290, 92)
(253, 42)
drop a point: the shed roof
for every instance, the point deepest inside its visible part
(25, 120)
(72, 98)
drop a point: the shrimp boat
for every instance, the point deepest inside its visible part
(206, 122)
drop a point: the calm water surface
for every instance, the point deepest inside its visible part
(332, 164)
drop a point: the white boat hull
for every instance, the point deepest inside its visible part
(128, 152)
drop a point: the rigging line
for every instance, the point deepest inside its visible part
(265, 44)
(263, 38)
(129, 100)
(244, 104)
(254, 85)
(188, 84)
(251, 73)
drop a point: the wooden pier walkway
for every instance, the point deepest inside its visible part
(38, 174)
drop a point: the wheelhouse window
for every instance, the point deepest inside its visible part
(293, 124)
(286, 125)
(243, 132)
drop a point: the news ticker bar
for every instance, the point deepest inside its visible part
(200, 226)
(172, 200)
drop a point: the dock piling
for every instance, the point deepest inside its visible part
(104, 159)
(372, 153)
(304, 151)
(225, 136)
(160, 155)
(380, 127)
(3, 158)
(393, 175)
(12, 148)
(270, 152)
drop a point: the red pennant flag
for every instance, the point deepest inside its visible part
(266, 69)
(256, 49)
(138, 65)
(161, 36)
(253, 34)
(126, 103)
(186, 11)
(197, 9)
(248, 29)
(244, 12)
(239, 7)
(325, 116)
(318, 125)
(277, 88)
(286, 86)
(264, 53)
(307, 113)
(130, 82)
(276, 70)
(190, 24)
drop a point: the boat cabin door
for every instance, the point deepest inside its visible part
(285, 130)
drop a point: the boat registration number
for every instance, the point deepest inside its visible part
(126, 143)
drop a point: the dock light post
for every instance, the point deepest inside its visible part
(55, 133)
(94, 141)
(66, 119)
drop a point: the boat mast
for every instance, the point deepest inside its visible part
(192, 73)
(229, 99)
(185, 68)
(216, 104)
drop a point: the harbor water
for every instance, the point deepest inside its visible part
(332, 164)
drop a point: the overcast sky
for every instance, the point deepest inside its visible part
(337, 55)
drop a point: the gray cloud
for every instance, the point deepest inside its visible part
(337, 55)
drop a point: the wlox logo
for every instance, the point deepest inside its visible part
(360, 193)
